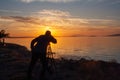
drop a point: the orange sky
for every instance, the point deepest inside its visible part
(64, 32)
(60, 23)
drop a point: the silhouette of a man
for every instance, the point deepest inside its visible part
(39, 50)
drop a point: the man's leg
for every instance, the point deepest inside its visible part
(44, 67)
(31, 66)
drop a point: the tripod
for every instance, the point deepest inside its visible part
(50, 58)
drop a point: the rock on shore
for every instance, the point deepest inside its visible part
(13, 61)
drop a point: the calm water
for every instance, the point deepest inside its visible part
(99, 48)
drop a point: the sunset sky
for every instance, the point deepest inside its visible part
(62, 17)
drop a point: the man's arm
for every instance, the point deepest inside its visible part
(33, 42)
(53, 40)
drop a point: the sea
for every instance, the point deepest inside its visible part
(97, 48)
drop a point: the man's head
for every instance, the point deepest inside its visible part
(48, 33)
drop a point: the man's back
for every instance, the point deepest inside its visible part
(40, 43)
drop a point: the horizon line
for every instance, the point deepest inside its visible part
(65, 36)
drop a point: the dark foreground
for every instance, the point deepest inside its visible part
(14, 61)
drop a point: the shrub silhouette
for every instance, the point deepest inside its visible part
(3, 35)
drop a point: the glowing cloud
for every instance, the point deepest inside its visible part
(58, 18)
(65, 1)
(54, 13)
(28, 1)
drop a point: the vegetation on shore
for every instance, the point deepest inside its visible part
(14, 61)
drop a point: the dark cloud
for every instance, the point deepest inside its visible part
(30, 20)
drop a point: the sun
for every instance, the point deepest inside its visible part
(47, 28)
(53, 31)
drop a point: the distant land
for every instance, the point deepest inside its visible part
(20, 37)
(114, 35)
